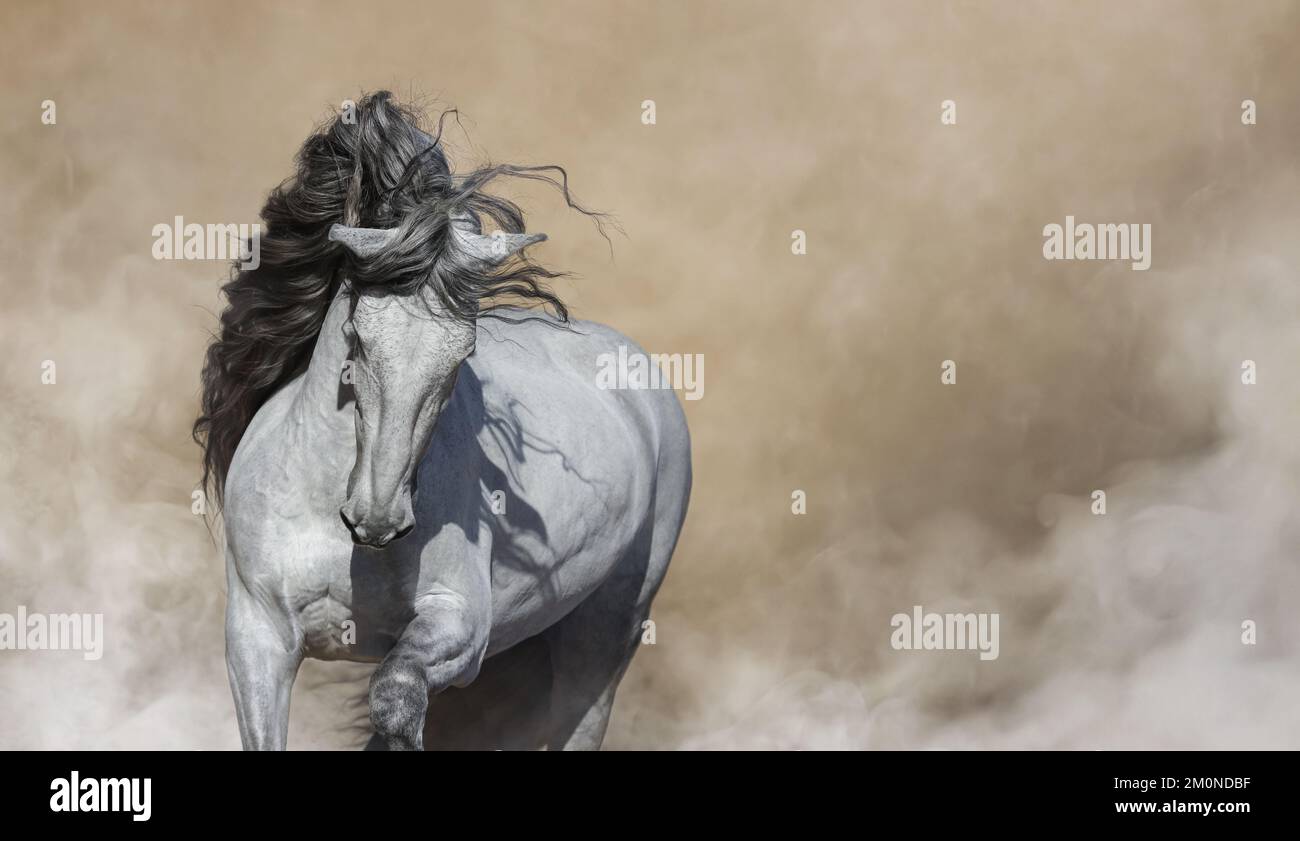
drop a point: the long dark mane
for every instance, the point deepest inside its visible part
(379, 170)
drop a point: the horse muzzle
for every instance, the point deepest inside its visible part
(377, 532)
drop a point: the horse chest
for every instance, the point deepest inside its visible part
(351, 607)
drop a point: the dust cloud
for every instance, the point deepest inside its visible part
(924, 244)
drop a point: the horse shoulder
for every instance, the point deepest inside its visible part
(271, 527)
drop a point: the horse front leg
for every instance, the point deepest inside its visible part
(262, 658)
(442, 646)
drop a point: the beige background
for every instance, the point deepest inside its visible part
(822, 371)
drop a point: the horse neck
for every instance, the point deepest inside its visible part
(316, 411)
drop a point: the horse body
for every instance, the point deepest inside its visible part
(543, 506)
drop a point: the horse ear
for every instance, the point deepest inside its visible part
(363, 242)
(470, 244)
(492, 250)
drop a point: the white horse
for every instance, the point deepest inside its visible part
(434, 490)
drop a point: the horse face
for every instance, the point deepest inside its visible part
(406, 353)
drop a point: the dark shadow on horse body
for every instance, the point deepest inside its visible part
(507, 705)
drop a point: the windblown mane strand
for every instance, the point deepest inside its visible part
(381, 171)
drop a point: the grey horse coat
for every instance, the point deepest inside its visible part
(543, 505)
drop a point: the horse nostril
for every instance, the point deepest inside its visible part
(365, 536)
(352, 530)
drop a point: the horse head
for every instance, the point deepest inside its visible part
(406, 351)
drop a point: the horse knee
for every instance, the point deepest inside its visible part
(465, 646)
(453, 640)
